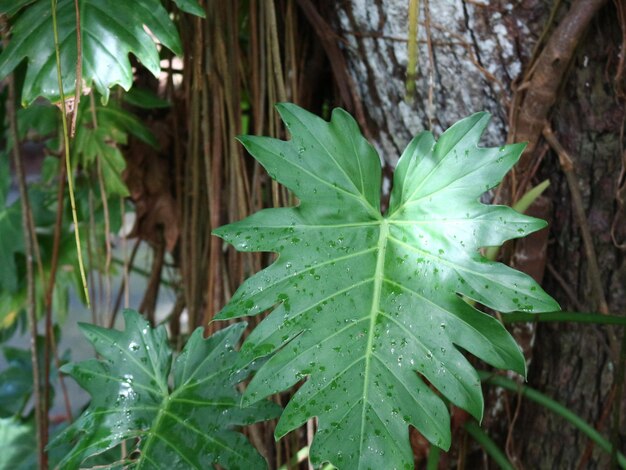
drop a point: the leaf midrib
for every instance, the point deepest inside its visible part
(379, 276)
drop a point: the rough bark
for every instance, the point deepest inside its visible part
(572, 363)
(479, 50)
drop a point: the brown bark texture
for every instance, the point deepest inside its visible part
(473, 55)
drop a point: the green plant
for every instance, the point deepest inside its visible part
(187, 424)
(362, 301)
(359, 301)
(104, 63)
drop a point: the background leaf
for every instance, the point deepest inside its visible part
(186, 426)
(361, 302)
(110, 31)
(11, 241)
(101, 141)
(190, 6)
(144, 98)
(17, 441)
(10, 7)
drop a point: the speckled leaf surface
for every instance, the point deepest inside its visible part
(186, 425)
(364, 306)
(110, 31)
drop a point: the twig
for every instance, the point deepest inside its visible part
(125, 282)
(548, 71)
(508, 446)
(310, 432)
(619, 392)
(567, 165)
(107, 218)
(489, 77)
(430, 111)
(620, 199)
(50, 342)
(275, 50)
(620, 6)
(125, 287)
(345, 83)
(565, 286)
(29, 240)
(79, 70)
(412, 50)
(66, 139)
(599, 424)
(148, 303)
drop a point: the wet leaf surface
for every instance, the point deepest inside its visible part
(188, 424)
(365, 306)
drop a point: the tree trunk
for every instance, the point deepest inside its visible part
(471, 57)
(572, 363)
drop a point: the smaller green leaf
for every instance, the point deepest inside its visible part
(17, 441)
(93, 142)
(10, 7)
(11, 243)
(5, 177)
(16, 381)
(42, 119)
(188, 425)
(113, 117)
(191, 6)
(146, 99)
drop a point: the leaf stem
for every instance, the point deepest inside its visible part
(29, 241)
(434, 453)
(480, 436)
(555, 407)
(566, 317)
(378, 282)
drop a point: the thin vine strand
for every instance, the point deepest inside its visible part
(66, 143)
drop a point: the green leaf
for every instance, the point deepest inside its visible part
(11, 240)
(17, 441)
(188, 425)
(5, 177)
(42, 119)
(16, 381)
(10, 7)
(144, 98)
(110, 30)
(112, 117)
(91, 142)
(191, 6)
(360, 302)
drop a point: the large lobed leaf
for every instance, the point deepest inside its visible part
(188, 425)
(110, 30)
(368, 307)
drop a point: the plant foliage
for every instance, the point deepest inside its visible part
(368, 307)
(187, 425)
(110, 30)
(100, 137)
(11, 241)
(18, 443)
